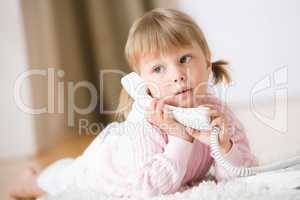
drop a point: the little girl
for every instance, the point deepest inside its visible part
(167, 49)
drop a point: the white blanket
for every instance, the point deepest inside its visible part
(284, 184)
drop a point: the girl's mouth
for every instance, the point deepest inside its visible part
(184, 92)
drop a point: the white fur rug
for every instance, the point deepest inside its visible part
(276, 186)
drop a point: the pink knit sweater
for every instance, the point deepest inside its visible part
(148, 162)
(144, 161)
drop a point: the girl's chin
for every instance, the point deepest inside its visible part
(188, 101)
(185, 103)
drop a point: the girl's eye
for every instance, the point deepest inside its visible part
(157, 69)
(185, 59)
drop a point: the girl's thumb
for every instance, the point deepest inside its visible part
(189, 130)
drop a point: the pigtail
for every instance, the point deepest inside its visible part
(220, 72)
(124, 106)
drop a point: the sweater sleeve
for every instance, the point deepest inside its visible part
(159, 170)
(239, 154)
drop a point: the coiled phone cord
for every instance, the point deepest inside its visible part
(245, 171)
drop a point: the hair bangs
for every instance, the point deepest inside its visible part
(157, 39)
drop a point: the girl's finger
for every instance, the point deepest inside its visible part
(194, 132)
(165, 112)
(208, 98)
(204, 133)
(159, 108)
(153, 105)
(167, 98)
(190, 131)
(148, 116)
(162, 103)
(208, 105)
(203, 136)
(214, 113)
(212, 105)
(211, 99)
(218, 122)
(220, 108)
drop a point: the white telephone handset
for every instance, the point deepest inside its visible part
(197, 118)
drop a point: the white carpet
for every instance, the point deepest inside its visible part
(276, 186)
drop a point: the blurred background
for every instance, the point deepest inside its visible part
(56, 53)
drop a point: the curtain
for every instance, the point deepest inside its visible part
(74, 41)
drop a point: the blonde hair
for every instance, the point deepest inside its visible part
(165, 29)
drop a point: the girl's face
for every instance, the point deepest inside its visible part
(179, 77)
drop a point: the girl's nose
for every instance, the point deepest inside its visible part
(179, 75)
(179, 78)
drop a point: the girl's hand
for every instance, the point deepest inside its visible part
(159, 115)
(218, 118)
